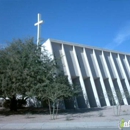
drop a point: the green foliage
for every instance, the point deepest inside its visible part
(6, 104)
(20, 65)
(55, 89)
(26, 71)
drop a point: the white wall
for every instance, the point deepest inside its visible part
(96, 70)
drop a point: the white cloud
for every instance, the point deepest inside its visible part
(122, 36)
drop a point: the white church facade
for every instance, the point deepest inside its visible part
(99, 72)
(102, 74)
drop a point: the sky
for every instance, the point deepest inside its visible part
(98, 23)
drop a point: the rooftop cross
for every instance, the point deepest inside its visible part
(39, 22)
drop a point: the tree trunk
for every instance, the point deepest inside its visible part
(57, 105)
(53, 114)
(13, 103)
(49, 107)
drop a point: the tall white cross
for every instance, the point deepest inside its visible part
(39, 22)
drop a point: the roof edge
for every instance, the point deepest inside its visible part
(86, 46)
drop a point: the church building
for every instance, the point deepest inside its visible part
(102, 74)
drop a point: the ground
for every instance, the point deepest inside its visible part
(85, 115)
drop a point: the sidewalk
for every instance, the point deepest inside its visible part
(61, 125)
(103, 118)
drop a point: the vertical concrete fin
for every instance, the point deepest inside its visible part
(127, 65)
(124, 74)
(101, 80)
(81, 79)
(68, 72)
(118, 80)
(110, 80)
(91, 79)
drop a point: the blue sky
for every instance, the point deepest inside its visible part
(99, 23)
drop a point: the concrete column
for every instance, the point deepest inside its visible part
(118, 80)
(91, 79)
(110, 79)
(68, 72)
(81, 79)
(127, 65)
(124, 74)
(101, 80)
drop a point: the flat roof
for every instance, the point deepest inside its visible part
(86, 46)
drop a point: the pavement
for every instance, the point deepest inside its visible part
(61, 125)
(103, 119)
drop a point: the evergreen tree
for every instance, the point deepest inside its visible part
(26, 71)
(21, 68)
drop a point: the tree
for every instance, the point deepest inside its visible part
(26, 71)
(119, 97)
(21, 68)
(55, 89)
